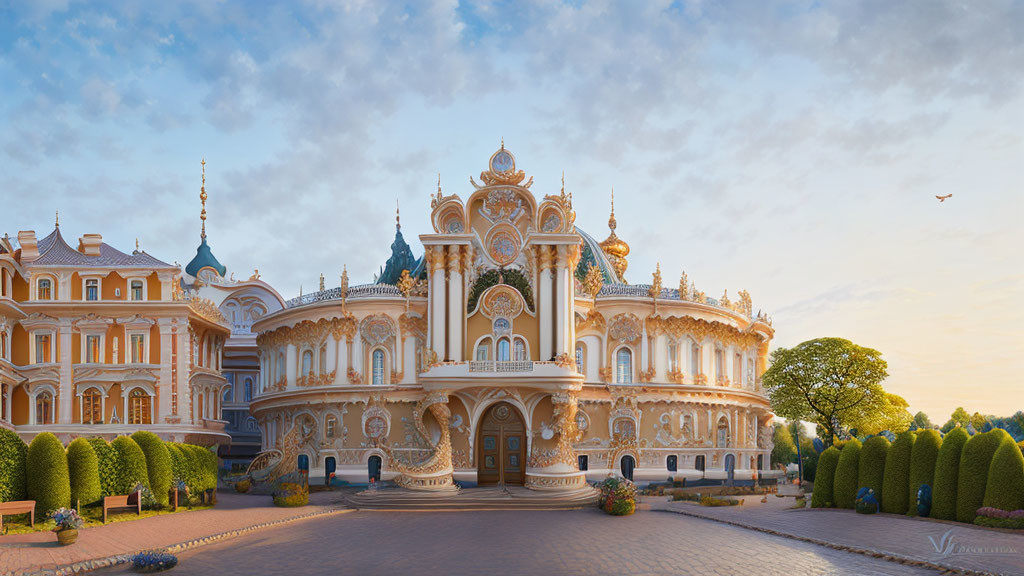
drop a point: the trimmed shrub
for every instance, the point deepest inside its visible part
(947, 470)
(844, 486)
(973, 477)
(895, 487)
(132, 464)
(871, 473)
(158, 464)
(822, 495)
(1005, 487)
(47, 469)
(290, 495)
(109, 467)
(13, 452)
(922, 464)
(84, 472)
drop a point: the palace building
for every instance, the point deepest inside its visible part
(99, 342)
(512, 352)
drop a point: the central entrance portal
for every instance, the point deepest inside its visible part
(501, 446)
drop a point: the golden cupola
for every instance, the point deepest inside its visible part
(615, 247)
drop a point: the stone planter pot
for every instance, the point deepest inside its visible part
(67, 537)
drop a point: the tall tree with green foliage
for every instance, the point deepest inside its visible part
(921, 421)
(784, 451)
(836, 384)
(958, 417)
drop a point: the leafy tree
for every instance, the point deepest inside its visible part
(978, 420)
(921, 422)
(836, 384)
(959, 417)
(784, 451)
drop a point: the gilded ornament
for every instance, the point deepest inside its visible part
(625, 328)
(593, 281)
(684, 287)
(656, 287)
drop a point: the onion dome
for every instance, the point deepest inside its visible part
(401, 258)
(615, 247)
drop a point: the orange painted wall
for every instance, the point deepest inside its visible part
(154, 344)
(76, 286)
(19, 406)
(20, 286)
(153, 289)
(111, 284)
(19, 346)
(113, 399)
(76, 348)
(115, 331)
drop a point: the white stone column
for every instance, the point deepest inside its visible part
(357, 354)
(561, 302)
(644, 357)
(661, 358)
(291, 365)
(455, 306)
(437, 299)
(66, 391)
(708, 362)
(184, 351)
(341, 376)
(332, 354)
(164, 384)
(544, 303)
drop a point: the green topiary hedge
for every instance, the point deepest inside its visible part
(822, 495)
(973, 476)
(47, 469)
(109, 467)
(871, 471)
(132, 464)
(84, 472)
(844, 486)
(195, 466)
(158, 464)
(896, 485)
(947, 471)
(922, 465)
(13, 453)
(1005, 486)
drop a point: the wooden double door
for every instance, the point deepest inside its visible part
(501, 446)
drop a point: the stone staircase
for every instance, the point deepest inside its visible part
(467, 499)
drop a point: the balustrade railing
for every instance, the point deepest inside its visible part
(501, 366)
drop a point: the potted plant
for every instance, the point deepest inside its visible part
(67, 522)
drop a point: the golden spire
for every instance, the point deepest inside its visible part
(321, 282)
(136, 244)
(615, 247)
(202, 198)
(56, 219)
(502, 142)
(656, 286)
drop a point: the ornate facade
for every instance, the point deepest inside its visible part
(513, 351)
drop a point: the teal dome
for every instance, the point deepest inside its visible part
(204, 259)
(401, 259)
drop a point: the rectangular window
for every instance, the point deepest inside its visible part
(136, 289)
(584, 462)
(673, 357)
(92, 349)
(695, 360)
(42, 348)
(719, 369)
(482, 352)
(45, 292)
(138, 349)
(92, 290)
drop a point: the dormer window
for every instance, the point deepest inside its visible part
(92, 290)
(136, 290)
(45, 289)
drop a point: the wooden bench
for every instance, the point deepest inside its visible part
(120, 502)
(18, 507)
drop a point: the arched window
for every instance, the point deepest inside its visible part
(673, 357)
(248, 389)
(373, 466)
(136, 290)
(323, 359)
(627, 465)
(44, 408)
(226, 397)
(251, 425)
(672, 463)
(483, 350)
(520, 350)
(504, 351)
(698, 463)
(307, 363)
(737, 370)
(139, 403)
(45, 289)
(695, 366)
(719, 365)
(92, 411)
(280, 366)
(580, 358)
(378, 366)
(624, 429)
(723, 433)
(624, 366)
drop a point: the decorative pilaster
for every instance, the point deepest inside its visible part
(455, 305)
(164, 381)
(291, 365)
(438, 295)
(545, 303)
(67, 392)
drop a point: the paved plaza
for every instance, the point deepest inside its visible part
(520, 542)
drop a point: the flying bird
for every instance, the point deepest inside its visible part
(943, 198)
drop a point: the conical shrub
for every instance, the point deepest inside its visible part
(973, 477)
(897, 474)
(48, 482)
(922, 464)
(844, 486)
(84, 470)
(822, 496)
(947, 471)
(1005, 486)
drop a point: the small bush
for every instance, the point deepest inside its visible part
(844, 486)
(822, 495)
(895, 487)
(132, 464)
(947, 469)
(13, 452)
(84, 472)
(47, 468)
(922, 465)
(290, 495)
(158, 464)
(1005, 486)
(109, 467)
(997, 518)
(871, 470)
(153, 561)
(618, 496)
(713, 501)
(973, 476)
(242, 486)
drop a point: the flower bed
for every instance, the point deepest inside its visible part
(996, 518)
(712, 501)
(618, 497)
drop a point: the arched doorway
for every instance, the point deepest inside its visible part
(730, 467)
(627, 465)
(373, 466)
(501, 446)
(330, 466)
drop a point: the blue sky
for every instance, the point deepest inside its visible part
(793, 149)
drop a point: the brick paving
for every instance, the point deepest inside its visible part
(948, 544)
(520, 542)
(20, 553)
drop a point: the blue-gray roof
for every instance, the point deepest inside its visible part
(54, 251)
(204, 259)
